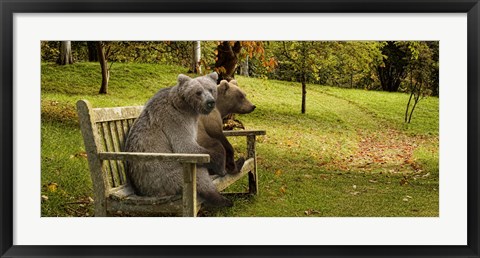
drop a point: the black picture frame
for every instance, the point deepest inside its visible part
(9, 8)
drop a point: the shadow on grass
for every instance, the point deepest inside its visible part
(65, 114)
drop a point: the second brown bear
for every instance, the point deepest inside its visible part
(230, 100)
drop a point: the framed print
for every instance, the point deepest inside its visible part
(339, 172)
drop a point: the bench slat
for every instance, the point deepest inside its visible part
(244, 132)
(173, 157)
(116, 113)
(126, 193)
(223, 182)
(110, 147)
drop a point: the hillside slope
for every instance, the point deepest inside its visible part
(349, 155)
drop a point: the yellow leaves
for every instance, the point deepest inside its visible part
(283, 189)
(220, 69)
(278, 172)
(270, 64)
(52, 187)
(82, 154)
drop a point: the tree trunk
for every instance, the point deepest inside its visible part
(304, 76)
(103, 64)
(304, 93)
(92, 51)
(408, 107)
(416, 99)
(66, 56)
(351, 79)
(244, 67)
(227, 58)
(393, 71)
(197, 53)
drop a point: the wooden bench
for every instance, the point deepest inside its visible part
(104, 131)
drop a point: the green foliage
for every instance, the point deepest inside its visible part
(351, 155)
(50, 50)
(349, 64)
(355, 64)
(352, 64)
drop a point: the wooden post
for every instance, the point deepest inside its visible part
(252, 175)
(90, 137)
(189, 190)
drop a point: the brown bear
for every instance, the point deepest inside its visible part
(168, 124)
(230, 99)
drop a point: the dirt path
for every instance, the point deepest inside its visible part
(385, 149)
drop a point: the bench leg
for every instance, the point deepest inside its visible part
(252, 175)
(189, 197)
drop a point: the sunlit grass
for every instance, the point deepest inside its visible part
(322, 163)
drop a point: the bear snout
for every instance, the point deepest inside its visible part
(250, 109)
(211, 104)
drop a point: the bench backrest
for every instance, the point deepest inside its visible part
(105, 130)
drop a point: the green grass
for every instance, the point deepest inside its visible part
(349, 155)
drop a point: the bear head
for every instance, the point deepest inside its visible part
(232, 100)
(199, 93)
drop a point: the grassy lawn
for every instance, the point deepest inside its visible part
(349, 155)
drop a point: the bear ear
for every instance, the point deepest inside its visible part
(213, 76)
(183, 79)
(234, 82)
(224, 85)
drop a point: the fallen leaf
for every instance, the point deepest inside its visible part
(52, 187)
(283, 189)
(82, 154)
(278, 172)
(44, 198)
(311, 211)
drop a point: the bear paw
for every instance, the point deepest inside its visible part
(238, 166)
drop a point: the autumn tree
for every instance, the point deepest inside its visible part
(229, 53)
(227, 58)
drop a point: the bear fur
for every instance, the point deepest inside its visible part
(230, 100)
(168, 124)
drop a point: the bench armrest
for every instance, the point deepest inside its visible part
(176, 157)
(244, 133)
